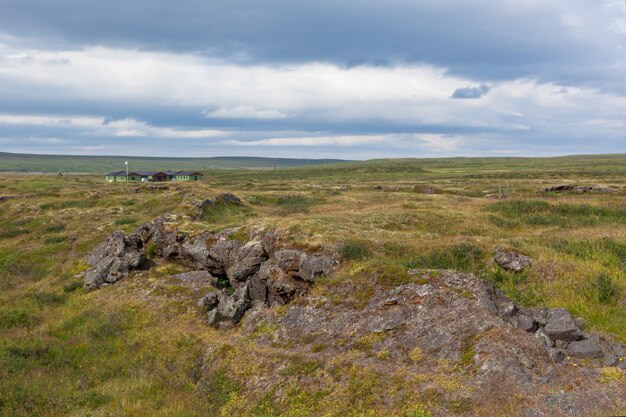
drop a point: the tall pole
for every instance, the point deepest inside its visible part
(126, 170)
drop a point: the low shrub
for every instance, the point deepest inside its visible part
(292, 204)
(54, 228)
(14, 318)
(125, 220)
(466, 257)
(55, 239)
(605, 288)
(354, 250)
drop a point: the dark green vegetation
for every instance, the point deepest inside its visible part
(10, 162)
(110, 352)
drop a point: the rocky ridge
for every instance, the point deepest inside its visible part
(254, 273)
(451, 329)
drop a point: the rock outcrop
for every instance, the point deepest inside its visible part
(113, 260)
(256, 273)
(578, 188)
(511, 260)
(444, 322)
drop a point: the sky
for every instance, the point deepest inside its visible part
(350, 79)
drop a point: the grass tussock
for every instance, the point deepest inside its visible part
(292, 204)
(467, 257)
(542, 213)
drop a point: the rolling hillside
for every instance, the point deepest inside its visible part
(10, 162)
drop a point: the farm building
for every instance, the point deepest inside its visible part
(153, 176)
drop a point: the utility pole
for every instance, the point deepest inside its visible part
(126, 170)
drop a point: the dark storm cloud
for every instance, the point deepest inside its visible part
(480, 39)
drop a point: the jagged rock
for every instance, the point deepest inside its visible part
(289, 260)
(526, 323)
(312, 267)
(225, 252)
(543, 337)
(196, 253)
(112, 261)
(247, 261)
(257, 289)
(586, 348)
(282, 286)
(169, 243)
(113, 246)
(269, 241)
(209, 301)
(561, 326)
(511, 260)
(561, 344)
(539, 315)
(260, 274)
(506, 307)
(230, 308)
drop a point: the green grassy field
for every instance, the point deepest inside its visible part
(67, 352)
(10, 162)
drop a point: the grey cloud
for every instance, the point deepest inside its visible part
(480, 39)
(470, 92)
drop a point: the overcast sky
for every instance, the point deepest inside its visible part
(342, 79)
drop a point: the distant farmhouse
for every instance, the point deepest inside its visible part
(153, 176)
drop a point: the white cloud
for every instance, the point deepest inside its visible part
(414, 94)
(243, 112)
(313, 141)
(402, 97)
(103, 127)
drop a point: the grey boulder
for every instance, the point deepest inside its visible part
(561, 326)
(511, 260)
(584, 349)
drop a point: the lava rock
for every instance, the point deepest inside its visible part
(511, 260)
(543, 337)
(313, 267)
(557, 355)
(230, 308)
(561, 326)
(209, 301)
(584, 349)
(526, 323)
(113, 260)
(289, 260)
(247, 262)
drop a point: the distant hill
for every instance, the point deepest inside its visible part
(11, 162)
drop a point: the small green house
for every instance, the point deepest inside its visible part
(120, 176)
(188, 176)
